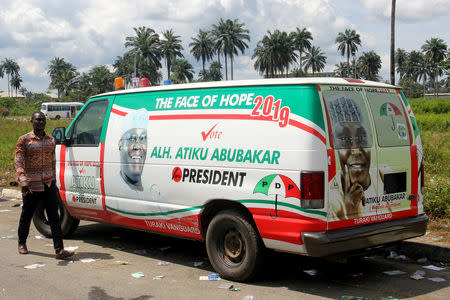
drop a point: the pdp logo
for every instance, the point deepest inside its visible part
(176, 174)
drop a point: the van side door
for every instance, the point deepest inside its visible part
(81, 181)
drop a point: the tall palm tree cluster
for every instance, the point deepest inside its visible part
(277, 54)
(9, 67)
(430, 62)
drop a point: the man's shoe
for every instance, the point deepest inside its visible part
(63, 254)
(23, 249)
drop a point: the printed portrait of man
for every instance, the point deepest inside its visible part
(353, 142)
(133, 148)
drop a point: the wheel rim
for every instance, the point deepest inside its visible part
(233, 247)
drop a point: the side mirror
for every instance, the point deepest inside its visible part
(58, 134)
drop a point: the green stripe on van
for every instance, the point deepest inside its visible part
(154, 214)
(315, 212)
(302, 100)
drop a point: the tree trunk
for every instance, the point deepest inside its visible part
(226, 67)
(393, 43)
(231, 65)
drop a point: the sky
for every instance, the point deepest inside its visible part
(91, 33)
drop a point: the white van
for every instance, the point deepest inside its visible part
(313, 166)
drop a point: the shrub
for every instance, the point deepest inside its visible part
(411, 89)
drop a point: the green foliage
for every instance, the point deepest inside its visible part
(21, 107)
(11, 129)
(433, 118)
(411, 88)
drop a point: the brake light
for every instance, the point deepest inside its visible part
(312, 190)
(422, 178)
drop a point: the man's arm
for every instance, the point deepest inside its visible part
(19, 163)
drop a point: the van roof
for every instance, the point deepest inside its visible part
(254, 82)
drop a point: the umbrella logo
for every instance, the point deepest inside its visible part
(277, 184)
(389, 109)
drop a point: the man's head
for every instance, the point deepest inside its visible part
(38, 121)
(133, 146)
(352, 139)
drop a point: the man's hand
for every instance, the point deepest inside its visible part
(25, 190)
(353, 194)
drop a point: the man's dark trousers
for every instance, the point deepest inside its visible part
(51, 202)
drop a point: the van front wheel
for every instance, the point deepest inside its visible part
(234, 247)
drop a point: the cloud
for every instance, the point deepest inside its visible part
(407, 10)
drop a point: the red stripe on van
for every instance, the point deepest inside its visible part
(62, 171)
(102, 180)
(118, 112)
(353, 80)
(294, 123)
(414, 178)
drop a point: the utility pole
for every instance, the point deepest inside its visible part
(393, 42)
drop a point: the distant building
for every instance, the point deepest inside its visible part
(53, 96)
(12, 95)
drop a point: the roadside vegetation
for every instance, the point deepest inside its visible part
(432, 114)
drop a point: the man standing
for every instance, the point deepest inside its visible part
(36, 169)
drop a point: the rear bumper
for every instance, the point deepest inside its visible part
(335, 241)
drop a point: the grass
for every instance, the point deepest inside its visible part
(11, 128)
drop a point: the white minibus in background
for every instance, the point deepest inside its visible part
(61, 110)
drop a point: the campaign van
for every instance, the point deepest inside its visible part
(312, 166)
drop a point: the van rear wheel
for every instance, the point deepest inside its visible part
(234, 247)
(68, 223)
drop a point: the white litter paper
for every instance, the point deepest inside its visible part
(39, 237)
(436, 279)
(87, 260)
(394, 272)
(162, 263)
(198, 263)
(138, 275)
(434, 268)
(34, 266)
(4, 210)
(72, 248)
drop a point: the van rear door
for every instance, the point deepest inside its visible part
(352, 157)
(397, 156)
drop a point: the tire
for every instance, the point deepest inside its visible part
(57, 117)
(234, 247)
(68, 223)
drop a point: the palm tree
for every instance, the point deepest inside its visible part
(102, 80)
(183, 71)
(230, 37)
(341, 69)
(401, 58)
(216, 33)
(315, 59)
(202, 47)
(302, 42)
(124, 67)
(68, 81)
(435, 50)
(348, 42)
(392, 65)
(56, 67)
(16, 81)
(414, 59)
(274, 53)
(11, 68)
(145, 44)
(370, 65)
(213, 73)
(171, 48)
(423, 70)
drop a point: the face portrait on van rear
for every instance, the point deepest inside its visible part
(133, 151)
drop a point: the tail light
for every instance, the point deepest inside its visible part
(312, 190)
(422, 178)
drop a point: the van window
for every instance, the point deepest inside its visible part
(390, 122)
(88, 127)
(349, 119)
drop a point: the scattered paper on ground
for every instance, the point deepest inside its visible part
(34, 266)
(138, 275)
(72, 248)
(394, 272)
(39, 237)
(436, 279)
(87, 260)
(162, 263)
(434, 268)
(158, 277)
